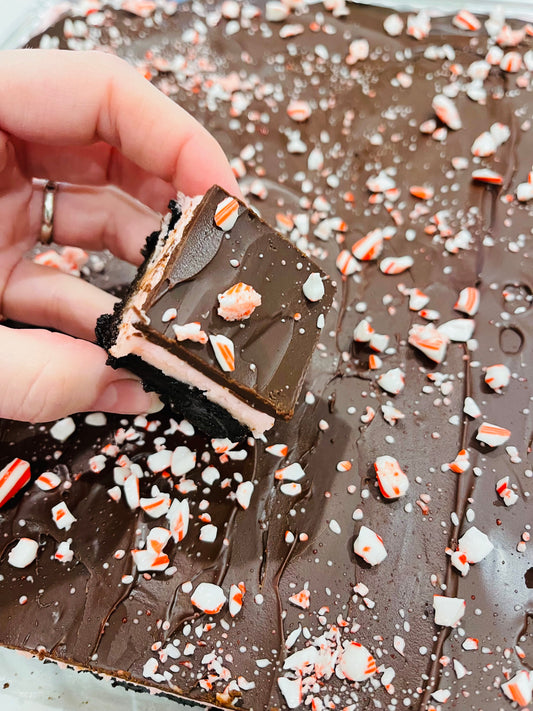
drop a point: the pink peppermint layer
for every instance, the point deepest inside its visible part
(218, 320)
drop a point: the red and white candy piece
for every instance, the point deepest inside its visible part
(293, 472)
(493, 435)
(396, 265)
(159, 461)
(524, 191)
(392, 480)
(208, 598)
(446, 111)
(471, 408)
(190, 332)
(226, 213)
(475, 544)
(468, 301)
(299, 110)
(429, 341)
(149, 561)
(465, 20)
(62, 516)
(393, 381)
(459, 330)
(291, 690)
(459, 561)
(500, 132)
(157, 539)
(156, 506)
(363, 332)
(13, 477)
(313, 287)
(370, 246)
(236, 596)
(276, 11)
(238, 302)
(423, 192)
(23, 553)
(460, 464)
(63, 552)
(369, 546)
(511, 62)
(380, 183)
(506, 494)
(379, 342)
(224, 352)
(418, 26)
(301, 599)
(484, 175)
(448, 610)
(393, 25)
(346, 263)
(497, 376)
(519, 688)
(355, 662)
(417, 299)
(178, 519)
(277, 450)
(484, 145)
(359, 50)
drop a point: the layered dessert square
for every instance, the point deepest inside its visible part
(223, 317)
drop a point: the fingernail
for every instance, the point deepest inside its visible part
(127, 397)
(157, 404)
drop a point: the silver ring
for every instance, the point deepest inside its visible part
(47, 224)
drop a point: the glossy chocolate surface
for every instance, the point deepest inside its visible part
(371, 122)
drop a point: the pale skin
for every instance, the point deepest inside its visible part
(90, 120)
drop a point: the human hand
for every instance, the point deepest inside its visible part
(90, 120)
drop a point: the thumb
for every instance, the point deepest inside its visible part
(45, 376)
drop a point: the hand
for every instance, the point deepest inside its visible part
(90, 120)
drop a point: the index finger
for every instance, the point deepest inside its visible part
(60, 97)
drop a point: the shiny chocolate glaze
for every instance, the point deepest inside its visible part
(364, 120)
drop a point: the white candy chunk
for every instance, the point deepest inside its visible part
(393, 25)
(313, 287)
(208, 598)
(244, 493)
(396, 265)
(236, 593)
(459, 330)
(460, 562)
(429, 341)
(417, 299)
(302, 659)
(208, 533)
(190, 332)
(484, 145)
(23, 553)
(131, 491)
(63, 553)
(448, 610)
(519, 688)
(293, 472)
(380, 183)
(500, 133)
(149, 560)
(183, 461)
(169, 315)
(497, 377)
(63, 429)
(315, 160)
(393, 381)
(355, 662)
(291, 690)
(471, 408)
(62, 516)
(468, 301)
(459, 669)
(159, 461)
(96, 419)
(524, 192)
(392, 481)
(475, 544)
(447, 112)
(210, 475)
(359, 49)
(369, 546)
(276, 11)
(291, 489)
(493, 435)
(178, 519)
(379, 342)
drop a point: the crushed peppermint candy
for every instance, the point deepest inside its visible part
(190, 332)
(238, 302)
(392, 481)
(208, 598)
(23, 553)
(369, 546)
(313, 287)
(226, 213)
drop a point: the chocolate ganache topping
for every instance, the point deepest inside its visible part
(411, 204)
